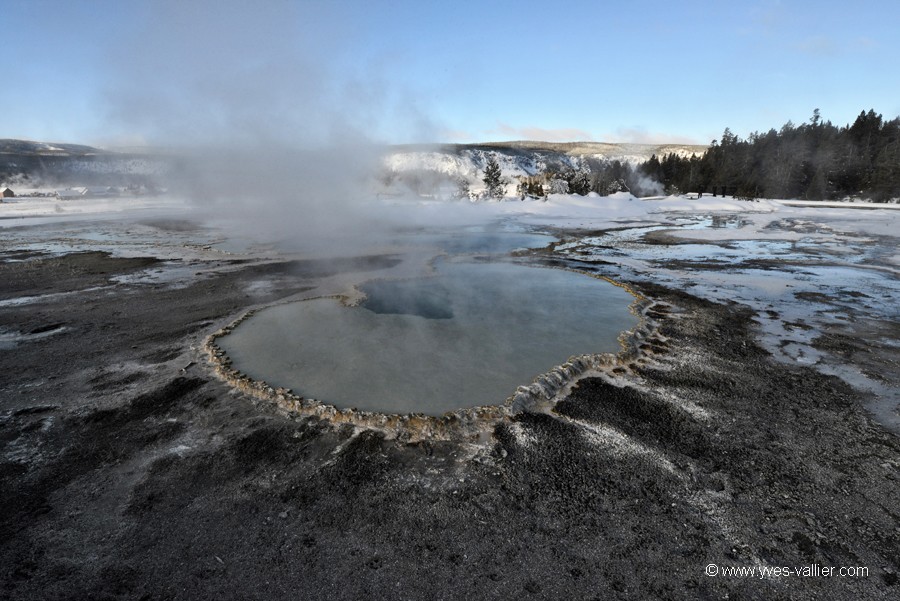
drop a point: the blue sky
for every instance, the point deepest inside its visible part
(164, 71)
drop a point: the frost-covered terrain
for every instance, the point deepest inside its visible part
(823, 281)
(816, 276)
(517, 159)
(723, 445)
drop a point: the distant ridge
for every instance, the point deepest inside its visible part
(624, 151)
(30, 148)
(608, 149)
(594, 148)
(29, 164)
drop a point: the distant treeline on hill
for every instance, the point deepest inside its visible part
(815, 161)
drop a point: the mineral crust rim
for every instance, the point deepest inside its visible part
(638, 345)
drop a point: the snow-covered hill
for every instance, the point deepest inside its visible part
(28, 164)
(516, 159)
(424, 170)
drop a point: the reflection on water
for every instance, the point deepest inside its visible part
(496, 242)
(455, 242)
(431, 298)
(467, 336)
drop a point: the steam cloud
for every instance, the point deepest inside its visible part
(250, 98)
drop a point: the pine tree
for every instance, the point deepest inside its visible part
(493, 179)
(579, 181)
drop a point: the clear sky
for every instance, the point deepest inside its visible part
(121, 72)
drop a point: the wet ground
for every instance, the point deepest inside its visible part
(129, 471)
(812, 287)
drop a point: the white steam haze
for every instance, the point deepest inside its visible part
(274, 131)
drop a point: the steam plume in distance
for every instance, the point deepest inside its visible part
(252, 98)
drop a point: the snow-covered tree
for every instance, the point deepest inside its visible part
(617, 185)
(558, 186)
(530, 188)
(493, 180)
(462, 189)
(579, 181)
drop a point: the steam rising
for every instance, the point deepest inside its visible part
(248, 96)
(220, 73)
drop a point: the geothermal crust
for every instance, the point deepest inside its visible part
(467, 423)
(130, 469)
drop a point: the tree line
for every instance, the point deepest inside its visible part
(815, 161)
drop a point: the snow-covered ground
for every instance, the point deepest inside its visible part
(822, 279)
(21, 210)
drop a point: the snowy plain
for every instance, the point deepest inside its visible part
(812, 274)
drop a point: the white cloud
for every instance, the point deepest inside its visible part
(639, 135)
(455, 135)
(541, 134)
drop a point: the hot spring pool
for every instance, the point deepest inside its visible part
(466, 336)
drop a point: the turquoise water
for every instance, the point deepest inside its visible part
(467, 336)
